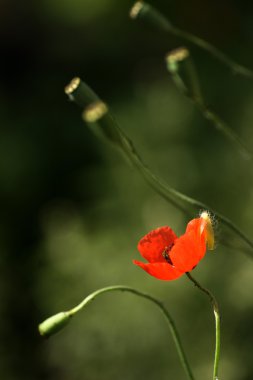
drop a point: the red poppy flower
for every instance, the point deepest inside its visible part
(168, 256)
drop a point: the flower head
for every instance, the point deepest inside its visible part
(168, 256)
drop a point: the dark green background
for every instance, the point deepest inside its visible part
(72, 210)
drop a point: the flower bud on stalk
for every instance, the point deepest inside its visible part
(54, 324)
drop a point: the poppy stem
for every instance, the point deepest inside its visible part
(104, 124)
(49, 327)
(152, 16)
(184, 75)
(217, 323)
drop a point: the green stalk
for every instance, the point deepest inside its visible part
(217, 324)
(148, 13)
(45, 327)
(107, 128)
(184, 75)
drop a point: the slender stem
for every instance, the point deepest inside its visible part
(224, 128)
(234, 66)
(192, 74)
(159, 304)
(156, 18)
(211, 116)
(217, 324)
(108, 128)
(184, 75)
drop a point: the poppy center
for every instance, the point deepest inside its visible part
(166, 254)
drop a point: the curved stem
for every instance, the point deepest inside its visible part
(159, 304)
(183, 73)
(107, 128)
(150, 14)
(211, 116)
(216, 53)
(217, 323)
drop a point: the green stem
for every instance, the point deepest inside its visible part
(154, 17)
(184, 75)
(217, 324)
(210, 115)
(220, 125)
(107, 127)
(234, 66)
(68, 314)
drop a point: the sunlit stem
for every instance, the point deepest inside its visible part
(235, 67)
(107, 128)
(184, 75)
(148, 13)
(217, 324)
(162, 308)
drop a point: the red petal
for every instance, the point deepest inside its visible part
(190, 248)
(197, 225)
(162, 271)
(152, 245)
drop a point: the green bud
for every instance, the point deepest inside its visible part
(54, 324)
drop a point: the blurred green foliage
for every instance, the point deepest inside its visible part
(72, 211)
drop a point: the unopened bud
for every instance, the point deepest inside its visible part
(208, 230)
(54, 324)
